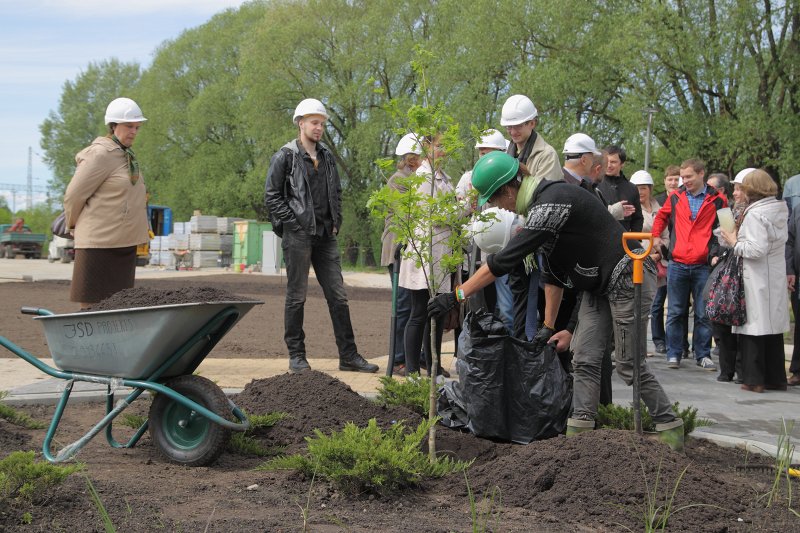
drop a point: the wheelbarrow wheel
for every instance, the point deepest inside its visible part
(182, 435)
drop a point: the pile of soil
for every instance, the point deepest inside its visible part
(596, 481)
(146, 297)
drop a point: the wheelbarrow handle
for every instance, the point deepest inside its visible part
(639, 236)
(39, 311)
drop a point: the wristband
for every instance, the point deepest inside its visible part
(459, 294)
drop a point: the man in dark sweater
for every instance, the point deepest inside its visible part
(621, 195)
(581, 247)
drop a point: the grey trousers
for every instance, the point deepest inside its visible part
(597, 319)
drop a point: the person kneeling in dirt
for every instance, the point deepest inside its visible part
(581, 244)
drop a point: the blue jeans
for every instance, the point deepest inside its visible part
(657, 316)
(532, 315)
(505, 302)
(300, 252)
(681, 281)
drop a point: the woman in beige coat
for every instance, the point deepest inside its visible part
(106, 208)
(415, 278)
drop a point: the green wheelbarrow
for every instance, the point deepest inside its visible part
(152, 349)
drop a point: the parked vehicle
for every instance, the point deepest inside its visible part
(61, 249)
(14, 243)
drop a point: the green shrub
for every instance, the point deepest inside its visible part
(243, 442)
(412, 392)
(22, 478)
(15, 417)
(617, 417)
(358, 460)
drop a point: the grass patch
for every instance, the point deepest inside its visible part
(132, 421)
(24, 480)
(368, 460)
(15, 417)
(244, 443)
(411, 393)
(615, 416)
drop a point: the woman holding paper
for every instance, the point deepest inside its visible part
(760, 241)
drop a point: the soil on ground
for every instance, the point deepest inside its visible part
(258, 335)
(597, 481)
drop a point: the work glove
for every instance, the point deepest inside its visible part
(441, 304)
(539, 341)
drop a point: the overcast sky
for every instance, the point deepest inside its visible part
(44, 43)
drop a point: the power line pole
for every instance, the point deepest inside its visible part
(30, 178)
(650, 112)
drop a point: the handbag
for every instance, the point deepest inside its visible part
(59, 226)
(724, 292)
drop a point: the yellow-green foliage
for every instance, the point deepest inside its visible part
(358, 460)
(617, 417)
(412, 392)
(24, 478)
(244, 443)
(15, 417)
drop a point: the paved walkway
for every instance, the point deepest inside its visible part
(745, 419)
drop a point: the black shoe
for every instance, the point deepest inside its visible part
(661, 348)
(356, 363)
(724, 378)
(298, 363)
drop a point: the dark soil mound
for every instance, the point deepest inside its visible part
(144, 297)
(597, 477)
(314, 400)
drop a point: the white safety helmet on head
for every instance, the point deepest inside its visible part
(517, 109)
(741, 175)
(492, 139)
(309, 106)
(123, 110)
(492, 235)
(408, 144)
(642, 177)
(580, 143)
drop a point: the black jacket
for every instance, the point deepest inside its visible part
(580, 241)
(617, 188)
(287, 193)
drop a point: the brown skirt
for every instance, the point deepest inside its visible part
(100, 272)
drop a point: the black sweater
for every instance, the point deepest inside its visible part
(580, 241)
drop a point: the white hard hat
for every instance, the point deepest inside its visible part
(580, 143)
(492, 139)
(517, 109)
(309, 106)
(642, 177)
(742, 173)
(123, 110)
(408, 144)
(492, 235)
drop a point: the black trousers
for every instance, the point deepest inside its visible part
(418, 333)
(730, 361)
(763, 360)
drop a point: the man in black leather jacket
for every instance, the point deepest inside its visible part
(303, 195)
(621, 195)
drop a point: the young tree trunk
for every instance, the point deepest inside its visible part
(432, 394)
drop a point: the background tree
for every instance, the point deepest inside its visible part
(81, 113)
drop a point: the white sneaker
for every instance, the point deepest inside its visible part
(706, 363)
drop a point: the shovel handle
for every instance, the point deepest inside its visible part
(639, 236)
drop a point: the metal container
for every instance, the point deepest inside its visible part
(132, 343)
(247, 241)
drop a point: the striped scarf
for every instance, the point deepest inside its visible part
(133, 165)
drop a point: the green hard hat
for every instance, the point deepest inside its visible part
(491, 172)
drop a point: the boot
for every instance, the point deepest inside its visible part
(671, 433)
(356, 363)
(575, 426)
(298, 363)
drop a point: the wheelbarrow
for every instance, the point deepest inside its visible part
(152, 349)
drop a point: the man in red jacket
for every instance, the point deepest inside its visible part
(691, 215)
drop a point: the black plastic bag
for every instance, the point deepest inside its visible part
(505, 391)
